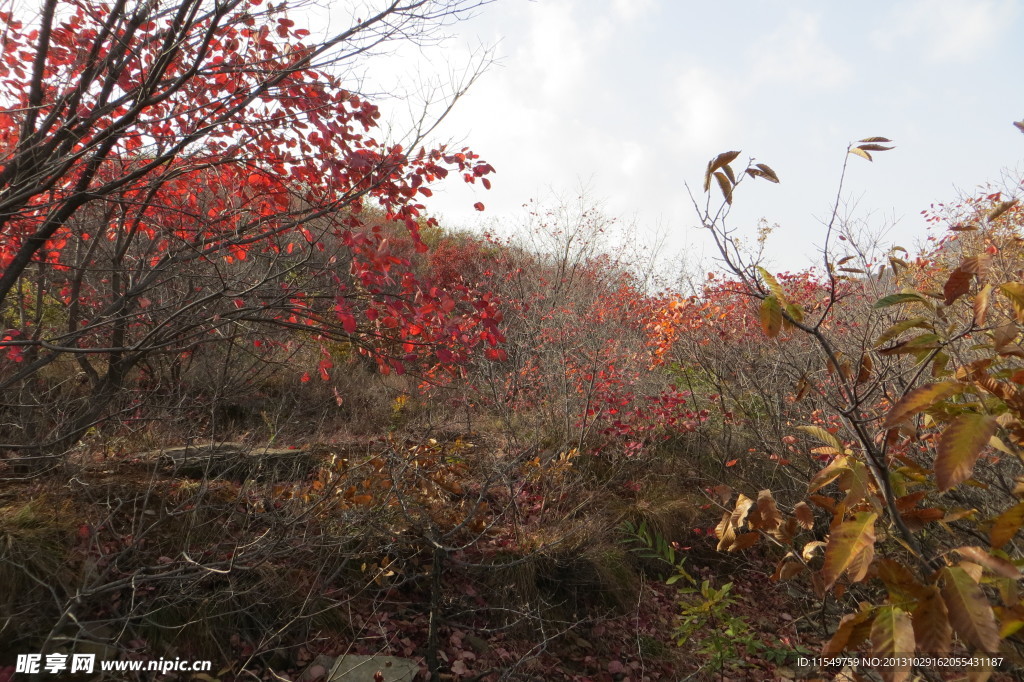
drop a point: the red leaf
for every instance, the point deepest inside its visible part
(479, 206)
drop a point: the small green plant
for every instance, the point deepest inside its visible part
(706, 615)
(649, 544)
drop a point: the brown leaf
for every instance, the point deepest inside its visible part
(920, 399)
(804, 515)
(970, 614)
(892, 635)
(960, 446)
(1000, 208)
(744, 541)
(850, 547)
(769, 512)
(997, 565)
(853, 629)
(1006, 525)
(931, 622)
(724, 185)
(767, 173)
(958, 284)
(901, 584)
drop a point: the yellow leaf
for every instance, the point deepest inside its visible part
(810, 548)
(740, 511)
(970, 614)
(773, 284)
(959, 447)
(1015, 292)
(851, 546)
(981, 301)
(860, 152)
(920, 399)
(725, 532)
(822, 435)
(892, 635)
(834, 470)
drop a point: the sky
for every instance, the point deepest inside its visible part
(630, 98)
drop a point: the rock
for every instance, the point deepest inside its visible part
(317, 670)
(363, 668)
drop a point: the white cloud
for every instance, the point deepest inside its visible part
(702, 110)
(555, 50)
(947, 30)
(630, 10)
(797, 54)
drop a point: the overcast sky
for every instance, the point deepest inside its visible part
(632, 97)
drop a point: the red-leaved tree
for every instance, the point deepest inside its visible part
(173, 174)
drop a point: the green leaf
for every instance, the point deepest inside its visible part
(771, 316)
(900, 327)
(920, 399)
(959, 447)
(773, 284)
(969, 611)
(896, 299)
(850, 547)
